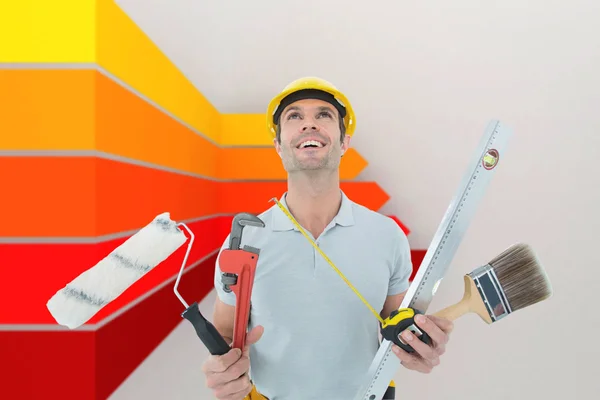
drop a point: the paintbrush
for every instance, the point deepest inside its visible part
(513, 280)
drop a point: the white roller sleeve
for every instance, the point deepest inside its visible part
(83, 297)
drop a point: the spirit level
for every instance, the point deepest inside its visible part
(450, 233)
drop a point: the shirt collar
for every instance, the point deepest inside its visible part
(281, 222)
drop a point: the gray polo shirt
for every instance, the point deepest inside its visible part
(319, 337)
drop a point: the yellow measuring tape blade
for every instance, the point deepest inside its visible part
(328, 260)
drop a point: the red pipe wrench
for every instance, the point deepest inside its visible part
(238, 266)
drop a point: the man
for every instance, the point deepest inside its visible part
(310, 336)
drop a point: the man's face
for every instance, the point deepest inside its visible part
(310, 136)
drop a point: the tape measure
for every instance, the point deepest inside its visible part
(399, 321)
(437, 259)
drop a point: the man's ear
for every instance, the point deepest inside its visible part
(345, 144)
(277, 147)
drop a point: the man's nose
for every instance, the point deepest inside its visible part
(309, 124)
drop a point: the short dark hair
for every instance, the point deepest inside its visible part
(342, 130)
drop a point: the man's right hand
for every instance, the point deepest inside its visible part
(227, 375)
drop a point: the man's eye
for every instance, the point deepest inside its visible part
(292, 115)
(325, 114)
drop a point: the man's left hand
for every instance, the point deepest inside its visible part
(425, 357)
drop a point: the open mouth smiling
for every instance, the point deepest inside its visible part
(312, 143)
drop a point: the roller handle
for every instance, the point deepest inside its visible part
(212, 339)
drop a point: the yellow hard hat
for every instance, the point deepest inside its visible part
(310, 88)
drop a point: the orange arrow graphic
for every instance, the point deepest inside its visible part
(90, 196)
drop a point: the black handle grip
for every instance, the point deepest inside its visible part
(390, 393)
(206, 331)
(392, 332)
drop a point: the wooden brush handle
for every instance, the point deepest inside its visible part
(454, 311)
(470, 303)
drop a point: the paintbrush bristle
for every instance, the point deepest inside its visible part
(521, 276)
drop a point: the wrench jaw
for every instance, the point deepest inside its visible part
(238, 266)
(228, 280)
(237, 226)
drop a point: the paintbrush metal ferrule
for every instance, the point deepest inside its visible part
(491, 292)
